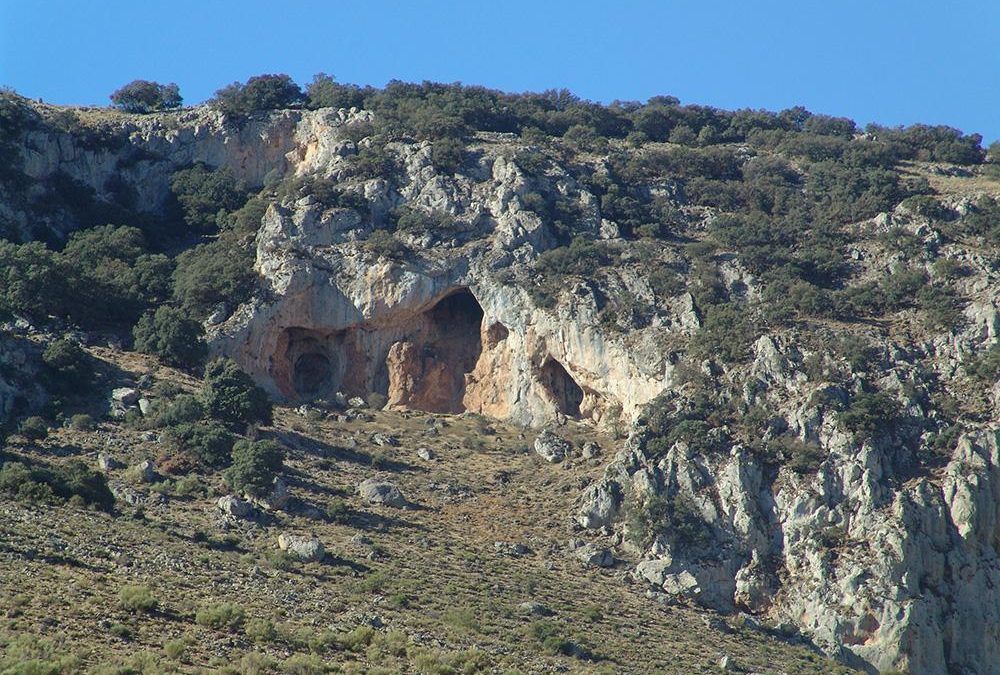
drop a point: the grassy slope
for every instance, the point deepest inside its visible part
(431, 572)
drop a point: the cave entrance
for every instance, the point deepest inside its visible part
(312, 375)
(427, 371)
(562, 388)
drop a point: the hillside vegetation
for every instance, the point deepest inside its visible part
(865, 259)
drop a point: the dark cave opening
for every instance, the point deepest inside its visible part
(312, 375)
(560, 385)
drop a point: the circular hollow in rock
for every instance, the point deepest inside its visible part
(313, 374)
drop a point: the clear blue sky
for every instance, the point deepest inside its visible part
(888, 61)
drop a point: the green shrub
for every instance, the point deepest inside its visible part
(171, 335)
(870, 415)
(231, 397)
(184, 409)
(82, 422)
(137, 598)
(57, 482)
(174, 649)
(208, 442)
(217, 273)
(220, 616)
(255, 465)
(261, 92)
(33, 428)
(986, 366)
(143, 96)
(383, 244)
(69, 368)
(676, 517)
(207, 196)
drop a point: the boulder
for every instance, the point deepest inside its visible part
(511, 549)
(144, 471)
(234, 507)
(385, 440)
(125, 397)
(380, 491)
(108, 463)
(590, 450)
(145, 406)
(425, 453)
(304, 548)
(356, 402)
(594, 555)
(276, 499)
(551, 447)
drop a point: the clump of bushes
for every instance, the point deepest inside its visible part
(69, 368)
(223, 615)
(207, 196)
(33, 428)
(261, 92)
(209, 443)
(231, 397)
(171, 335)
(143, 96)
(217, 273)
(56, 483)
(255, 465)
(870, 414)
(676, 518)
(137, 598)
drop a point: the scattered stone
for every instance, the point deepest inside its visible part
(591, 450)
(234, 507)
(535, 608)
(126, 494)
(125, 397)
(385, 440)
(303, 548)
(144, 471)
(380, 491)
(727, 664)
(361, 540)
(276, 499)
(108, 463)
(425, 453)
(511, 549)
(594, 555)
(551, 447)
(150, 437)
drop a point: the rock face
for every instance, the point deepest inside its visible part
(880, 574)
(436, 332)
(882, 560)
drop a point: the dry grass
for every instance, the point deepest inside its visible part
(430, 579)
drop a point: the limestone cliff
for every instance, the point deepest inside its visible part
(881, 556)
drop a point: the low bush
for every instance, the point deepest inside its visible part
(255, 465)
(221, 616)
(231, 397)
(137, 598)
(870, 415)
(33, 428)
(56, 482)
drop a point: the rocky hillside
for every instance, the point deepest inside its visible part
(787, 326)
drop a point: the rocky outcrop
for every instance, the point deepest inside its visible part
(880, 564)
(438, 331)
